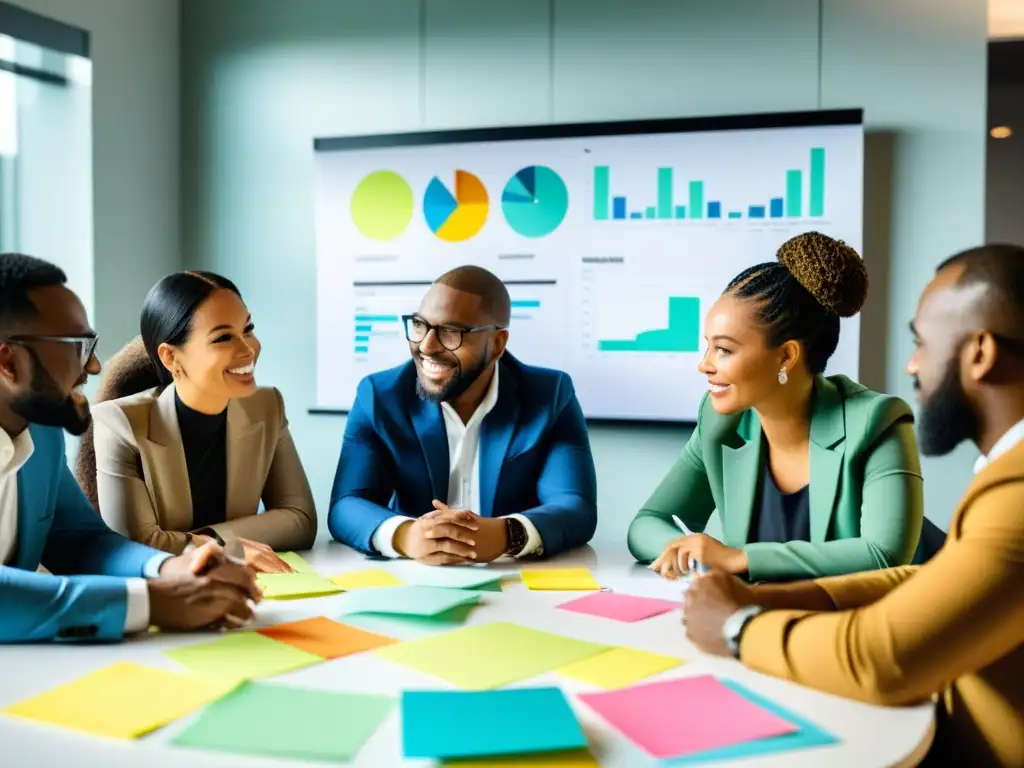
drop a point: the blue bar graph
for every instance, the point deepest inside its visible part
(792, 200)
(377, 318)
(366, 324)
(525, 303)
(618, 208)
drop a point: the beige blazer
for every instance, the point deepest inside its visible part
(142, 479)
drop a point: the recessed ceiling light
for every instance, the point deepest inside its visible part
(1001, 132)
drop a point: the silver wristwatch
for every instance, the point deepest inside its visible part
(735, 624)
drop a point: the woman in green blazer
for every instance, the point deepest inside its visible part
(812, 475)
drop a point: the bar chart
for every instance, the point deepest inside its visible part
(378, 339)
(682, 333)
(797, 199)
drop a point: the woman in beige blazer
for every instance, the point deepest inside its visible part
(191, 445)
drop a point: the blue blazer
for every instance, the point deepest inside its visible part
(534, 457)
(59, 528)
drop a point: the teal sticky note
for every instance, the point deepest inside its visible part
(409, 627)
(513, 721)
(470, 577)
(809, 735)
(408, 601)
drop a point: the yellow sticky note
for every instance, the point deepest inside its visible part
(282, 586)
(564, 579)
(297, 562)
(574, 758)
(123, 700)
(372, 577)
(618, 667)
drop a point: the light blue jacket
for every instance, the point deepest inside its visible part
(59, 528)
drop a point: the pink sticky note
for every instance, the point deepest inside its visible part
(611, 605)
(679, 717)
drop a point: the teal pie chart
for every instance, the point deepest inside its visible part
(535, 201)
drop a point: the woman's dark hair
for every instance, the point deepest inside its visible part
(169, 309)
(815, 281)
(167, 315)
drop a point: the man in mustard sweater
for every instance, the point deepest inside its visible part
(954, 627)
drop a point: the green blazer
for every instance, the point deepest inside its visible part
(866, 495)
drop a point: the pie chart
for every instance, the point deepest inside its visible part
(535, 201)
(459, 216)
(382, 206)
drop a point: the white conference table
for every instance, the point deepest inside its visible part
(869, 735)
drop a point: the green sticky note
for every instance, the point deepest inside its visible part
(513, 653)
(410, 601)
(409, 627)
(281, 721)
(284, 586)
(453, 578)
(296, 562)
(241, 656)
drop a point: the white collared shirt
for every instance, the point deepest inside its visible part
(1003, 445)
(463, 474)
(14, 453)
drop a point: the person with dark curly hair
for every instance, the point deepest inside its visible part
(812, 475)
(950, 631)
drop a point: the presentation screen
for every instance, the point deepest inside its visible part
(614, 239)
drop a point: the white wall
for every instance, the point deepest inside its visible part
(136, 151)
(262, 78)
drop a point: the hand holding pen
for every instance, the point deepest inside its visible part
(697, 553)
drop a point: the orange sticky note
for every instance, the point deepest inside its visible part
(325, 638)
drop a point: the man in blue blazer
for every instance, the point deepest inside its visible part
(100, 586)
(464, 454)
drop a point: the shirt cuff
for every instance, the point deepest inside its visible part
(383, 538)
(136, 616)
(151, 570)
(534, 543)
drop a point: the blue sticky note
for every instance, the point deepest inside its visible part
(505, 722)
(809, 735)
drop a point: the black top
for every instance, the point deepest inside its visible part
(779, 516)
(204, 438)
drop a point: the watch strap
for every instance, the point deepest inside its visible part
(517, 536)
(735, 624)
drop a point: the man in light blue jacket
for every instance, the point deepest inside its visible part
(100, 586)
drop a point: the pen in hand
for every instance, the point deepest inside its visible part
(692, 565)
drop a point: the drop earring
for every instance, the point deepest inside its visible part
(783, 376)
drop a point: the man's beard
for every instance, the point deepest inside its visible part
(463, 380)
(946, 418)
(45, 404)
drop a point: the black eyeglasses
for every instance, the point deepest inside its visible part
(86, 344)
(448, 336)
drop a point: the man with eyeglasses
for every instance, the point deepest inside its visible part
(464, 454)
(953, 628)
(100, 586)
